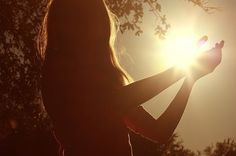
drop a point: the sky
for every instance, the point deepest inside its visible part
(210, 115)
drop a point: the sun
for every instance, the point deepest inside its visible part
(180, 49)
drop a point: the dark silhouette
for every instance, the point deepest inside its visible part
(226, 147)
(87, 93)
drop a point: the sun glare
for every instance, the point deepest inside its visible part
(181, 49)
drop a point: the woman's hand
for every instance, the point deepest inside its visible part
(207, 62)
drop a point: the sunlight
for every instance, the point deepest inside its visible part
(181, 48)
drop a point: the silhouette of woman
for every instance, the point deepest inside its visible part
(87, 93)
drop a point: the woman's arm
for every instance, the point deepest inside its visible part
(160, 130)
(169, 120)
(134, 94)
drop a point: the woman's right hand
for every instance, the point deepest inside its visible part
(207, 62)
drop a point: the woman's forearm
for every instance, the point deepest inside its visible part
(168, 121)
(133, 95)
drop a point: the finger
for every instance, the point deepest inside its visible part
(202, 41)
(222, 43)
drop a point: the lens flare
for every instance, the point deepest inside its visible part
(181, 50)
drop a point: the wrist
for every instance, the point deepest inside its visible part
(189, 74)
(190, 81)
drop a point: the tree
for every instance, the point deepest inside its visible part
(130, 14)
(225, 148)
(175, 147)
(20, 65)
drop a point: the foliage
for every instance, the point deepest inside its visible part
(20, 101)
(224, 148)
(131, 12)
(174, 147)
(204, 4)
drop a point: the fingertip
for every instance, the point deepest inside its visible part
(202, 40)
(222, 44)
(205, 38)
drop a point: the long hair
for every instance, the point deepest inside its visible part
(68, 26)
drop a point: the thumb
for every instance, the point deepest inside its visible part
(202, 41)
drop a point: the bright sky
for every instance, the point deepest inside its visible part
(211, 111)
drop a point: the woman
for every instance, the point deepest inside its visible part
(86, 93)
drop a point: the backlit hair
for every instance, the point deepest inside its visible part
(51, 39)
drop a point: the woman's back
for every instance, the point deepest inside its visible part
(84, 123)
(79, 73)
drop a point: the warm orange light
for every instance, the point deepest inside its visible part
(180, 49)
